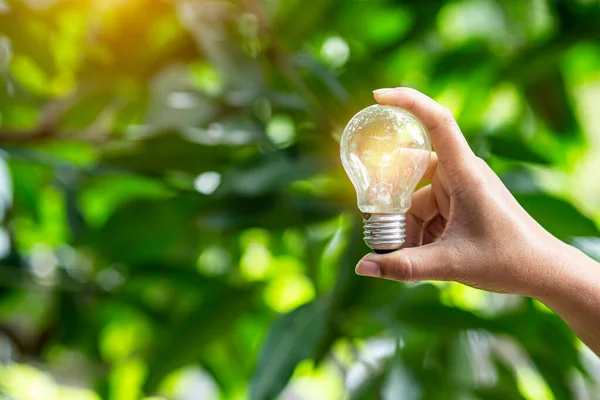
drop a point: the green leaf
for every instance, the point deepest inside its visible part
(514, 148)
(548, 97)
(345, 285)
(520, 181)
(189, 337)
(372, 387)
(555, 376)
(291, 339)
(170, 151)
(589, 245)
(434, 315)
(29, 75)
(87, 110)
(144, 230)
(506, 386)
(28, 179)
(559, 217)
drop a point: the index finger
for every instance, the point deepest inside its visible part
(448, 141)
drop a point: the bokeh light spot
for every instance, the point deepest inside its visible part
(281, 130)
(335, 52)
(287, 292)
(214, 261)
(207, 182)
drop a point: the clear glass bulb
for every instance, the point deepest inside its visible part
(385, 151)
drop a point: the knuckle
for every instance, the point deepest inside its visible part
(479, 174)
(446, 116)
(472, 177)
(481, 166)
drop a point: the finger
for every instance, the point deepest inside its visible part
(414, 231)
(433, 230)
(440, 189)
(433, 163)
(429, 262)
(447, 139)
(424, 206)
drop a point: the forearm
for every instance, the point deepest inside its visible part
(573, 292)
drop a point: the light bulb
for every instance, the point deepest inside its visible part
(385, 151)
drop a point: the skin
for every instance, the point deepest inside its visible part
(467, 227)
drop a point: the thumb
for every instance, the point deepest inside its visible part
(430, 262)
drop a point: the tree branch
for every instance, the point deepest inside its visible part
(25, 136)
(47, 129)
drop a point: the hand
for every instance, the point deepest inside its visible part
(465, 226)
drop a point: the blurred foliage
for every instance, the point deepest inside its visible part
(175, 220)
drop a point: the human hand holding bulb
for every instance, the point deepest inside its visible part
(465, 226)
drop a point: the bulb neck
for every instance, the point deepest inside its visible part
(384, 233)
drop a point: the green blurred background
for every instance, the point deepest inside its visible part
(176, 223)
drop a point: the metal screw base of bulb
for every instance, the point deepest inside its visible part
(384, 233)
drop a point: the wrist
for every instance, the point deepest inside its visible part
(568, 276)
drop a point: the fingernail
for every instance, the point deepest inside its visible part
(368, 268)
(383, 90)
